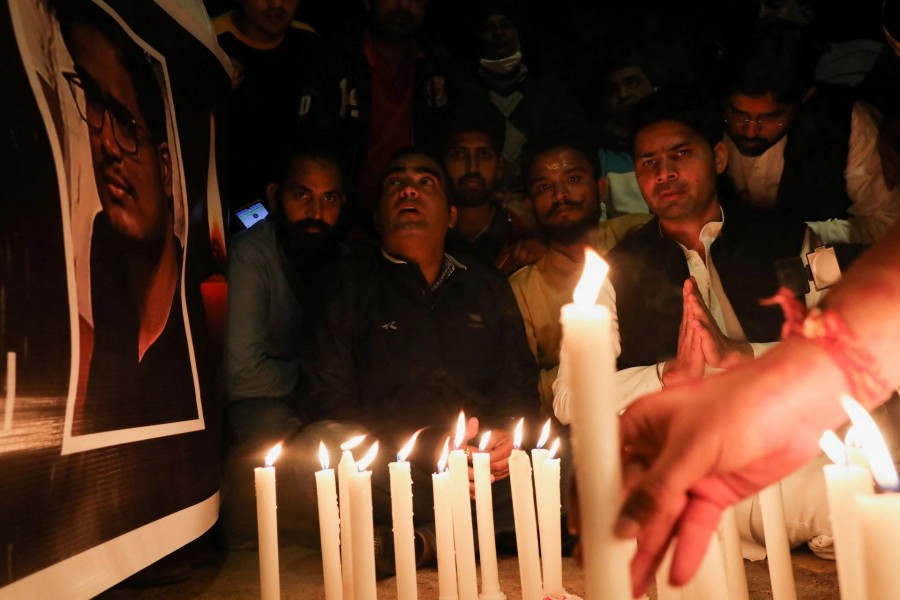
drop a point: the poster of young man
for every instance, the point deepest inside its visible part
(113, 247)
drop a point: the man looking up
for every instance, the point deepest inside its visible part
(472, 158)
(414, 335)
(798, 150)
(684, 289)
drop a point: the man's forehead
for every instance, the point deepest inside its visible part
(470, 139)
(625, 72)
(754, 105)
(414, 163)
(665, 135)
(561, 159)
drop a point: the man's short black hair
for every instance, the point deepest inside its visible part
(535, 146)
(778, 58)
(140, 65)
(412, 151)
(482, 117)
(687, 107)
(313, 149)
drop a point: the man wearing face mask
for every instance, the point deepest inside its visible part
(530, 100)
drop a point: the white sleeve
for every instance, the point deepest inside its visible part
(874, 207)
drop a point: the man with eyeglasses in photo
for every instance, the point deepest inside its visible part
(138, 349)
(798, 148)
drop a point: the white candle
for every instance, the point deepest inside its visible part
(329, 528)
(539, 453)
(484, 509)
(879, 521)
(735, 573)
(547, 494)
(443, 530)
(267, 525)
(462, 515)
(363, 538)
(402, 518)
(346, 469)
(588, 351)
(845, 482)
(526, 525)
(10, 390)
(778, 551)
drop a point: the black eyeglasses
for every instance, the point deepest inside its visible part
(93, 106)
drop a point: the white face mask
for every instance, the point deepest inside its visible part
(502, 66)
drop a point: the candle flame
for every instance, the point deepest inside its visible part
(554, 448)
(353, 442)
(460, 431)
(366, 460)
(484, 440)
(545, 434)
(272, 456)
(405, 450)
(852, 438)
(833, 448)
(323, 455)
(588, 288)
(873, 445)
(442, 461)
(517, 436)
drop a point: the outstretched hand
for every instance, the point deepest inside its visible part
(707, 444)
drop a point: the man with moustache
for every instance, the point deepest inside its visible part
(472, 158)
(275, 293)
(279, 274)
(413, 335)
(800, 150)
(565, 190)
(135, 260)
(684, 290)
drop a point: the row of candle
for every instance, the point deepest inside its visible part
(347, 533)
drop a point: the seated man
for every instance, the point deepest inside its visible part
(277, 270)
(565, 190)
(802, 151)
(413, 336)
(472, 158)
(684, 289)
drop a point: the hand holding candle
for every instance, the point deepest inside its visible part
(267, 524)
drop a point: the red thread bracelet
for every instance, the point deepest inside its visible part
(828, 330)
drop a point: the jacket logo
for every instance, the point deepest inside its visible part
(390, 325)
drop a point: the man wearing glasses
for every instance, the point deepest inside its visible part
(139, 349)
(802, 150)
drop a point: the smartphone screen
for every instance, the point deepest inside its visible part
(252, 215)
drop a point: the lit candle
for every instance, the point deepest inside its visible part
(443, 529)
(878, 514)
(10, 391)
(588, 350)
(539, 453)
(462, 515)
(523, 515)
(267, 525)
(329, 527)
(845, 482)
(402, 518)
(778, 551)
(484, 509)
(735, 573)
(346, 469)
(363, 537)
(546, 482)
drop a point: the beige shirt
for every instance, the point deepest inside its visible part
(874, 208)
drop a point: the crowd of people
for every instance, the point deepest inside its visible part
(429, 206)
